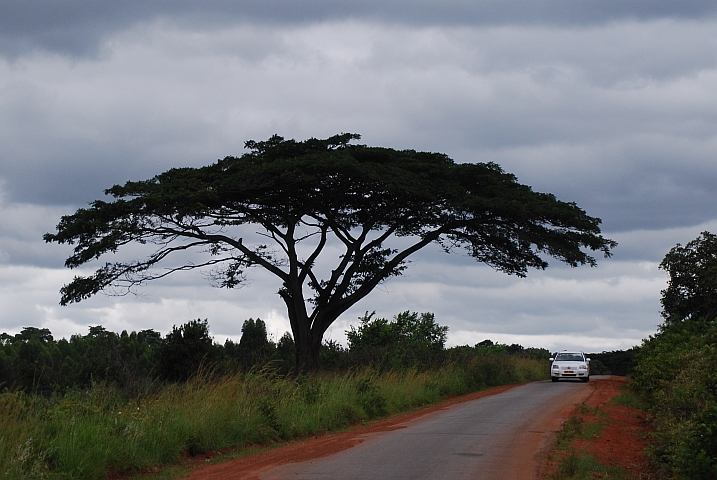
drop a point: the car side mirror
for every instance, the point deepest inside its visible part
(550, 359)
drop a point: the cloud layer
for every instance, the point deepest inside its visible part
(79, 27)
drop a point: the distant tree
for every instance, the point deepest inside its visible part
(334, 356)
(537, 353)
(307, 196)
(5, 369)
(254, 345)
(371, 332)
(616, 362)
(287, 351)
(42, 335)
(597, 367)
(516, 349)
(185, 350)
(489, 347)
(691, 291)
(150, 337)
(408, 339)
(36, 367)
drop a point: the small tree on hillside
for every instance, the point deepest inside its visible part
(308, 198)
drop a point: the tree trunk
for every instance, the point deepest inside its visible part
(307, 357)
(306, 342)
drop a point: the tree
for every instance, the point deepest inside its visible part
(185, 350)
(254, 345)
(308, 198)
(407, 330)
(691, 292)
(407, 341)
(42, 335)
(287, 352)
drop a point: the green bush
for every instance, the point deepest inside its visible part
(676, 375)
(409, 340)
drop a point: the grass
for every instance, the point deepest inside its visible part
(85, 435)
(576, 426)
(582, 466)
(628, 398)
(579, 465)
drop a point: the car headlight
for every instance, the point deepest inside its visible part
(555, 367)
(583, 367)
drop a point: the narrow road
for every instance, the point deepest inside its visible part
(497, 437)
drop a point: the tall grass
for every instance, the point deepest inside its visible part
(85, 435)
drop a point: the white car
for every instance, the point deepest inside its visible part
(570, 365)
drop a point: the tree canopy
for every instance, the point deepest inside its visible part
(691, 292)
(308, 198)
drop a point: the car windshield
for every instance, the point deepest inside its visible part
(569, 357)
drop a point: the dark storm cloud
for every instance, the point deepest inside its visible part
(78, 27)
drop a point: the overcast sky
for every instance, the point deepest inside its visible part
(610, 104)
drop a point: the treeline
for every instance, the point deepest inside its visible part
(616, 362)
(34, 362)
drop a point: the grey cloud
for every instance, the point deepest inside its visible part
(596, 115)
(77, 28)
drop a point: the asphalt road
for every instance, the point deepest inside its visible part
(496, 437)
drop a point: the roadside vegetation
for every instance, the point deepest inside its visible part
(107, 403)
(676, 371)
(575, 464)
(677, 377)
(604, 438)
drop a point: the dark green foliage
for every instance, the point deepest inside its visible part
(254, 347)
(616, 362)
(692, 289)
(333, 356)
(307, 195)
(254, 340)
(286, 351)
(536, 353)
(676, 374)
(409, 340)
(515, 349)
(139, 362)
(408, 329)
(32, 361)
(597, 367)
(490, 370)
(370, 399)
(676, 369)
(488, 347)
(701, 449)
(185, 350)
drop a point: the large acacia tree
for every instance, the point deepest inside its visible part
(305, 198)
